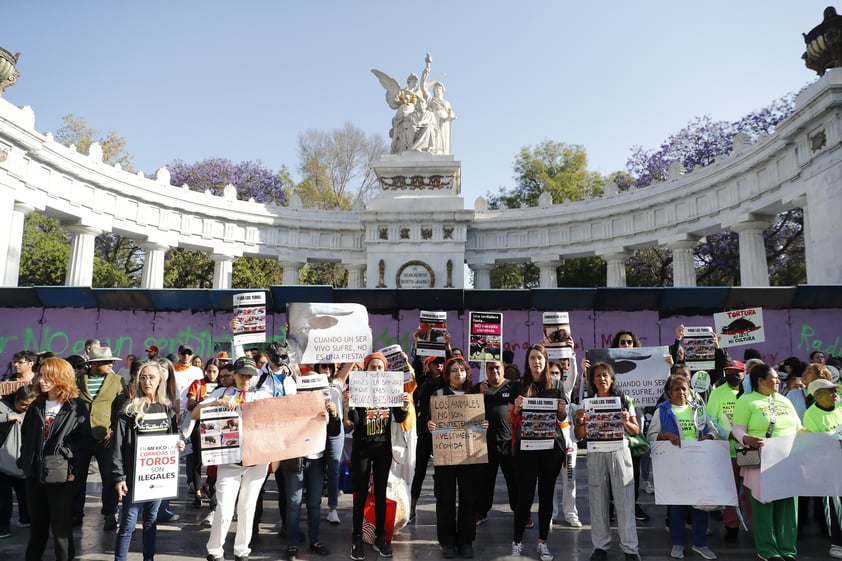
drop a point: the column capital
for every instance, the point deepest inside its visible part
(683, 244)
(24, 208)
(82, 230)
(753, 223)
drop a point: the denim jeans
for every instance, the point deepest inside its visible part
(312, 475)
(333, 454)
(128, 520)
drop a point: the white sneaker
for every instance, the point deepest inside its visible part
(647, 487)
(836, 551)
(573, 521)
(208, 521)
(517, 549)
(544, 552)
(333, 517)
(677, 552)
(705, 552)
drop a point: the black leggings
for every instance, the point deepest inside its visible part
(541, 467)
(367, 459)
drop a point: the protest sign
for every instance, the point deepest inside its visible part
(696, 473)
(740, 327)
(604, 424)
(325, 332)
(375, 389)
(155, 468)
(538, 423)
(284, 427)
(432, 333)
(459, 439)
(800, 465)
(558, 339)
(699, 349)
(640, 372)
(396, 362)
(486, 336)
(250, 312)
(219, 430)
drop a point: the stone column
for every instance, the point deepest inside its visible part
(549, 273)
(356, 274)
(15, 243)
(153, 264)
(754, 271)
(683, 263)
(223, 269)
(7, 206)
(482, 275)
(80, 267)
(616, 270)
(292, 271)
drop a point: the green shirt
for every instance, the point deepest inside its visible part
(752, 412)
(684, 418)
(721, 410)
(819, 420)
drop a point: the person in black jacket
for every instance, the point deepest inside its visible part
(372, 452)
(54, 427)
(148, 413)
(12, 410)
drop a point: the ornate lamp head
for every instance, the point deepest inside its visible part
(8, 72)
(824, 43)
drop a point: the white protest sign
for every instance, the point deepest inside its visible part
(699, 349)
(696, 473)
(250, 312)
(326, 332)
(640, 372)
(155, 468)
(538, 423)
(800, 465)
(604, 424)
(740, 327)
(376, 389)
(219, 433)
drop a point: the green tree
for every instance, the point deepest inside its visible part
(187, 268)
(255, 272)
(582, 272)
(45, 251)
(515, 275)
(331, 274)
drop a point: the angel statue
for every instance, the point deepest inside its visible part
(422, 121)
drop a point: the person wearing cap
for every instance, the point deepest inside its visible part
(223, 358)
(775, 524)
(720, 410)
(372, 454)
(99, 388)
(235, 484)
(152, 353)
(825, 415)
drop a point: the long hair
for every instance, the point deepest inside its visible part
(138, 405)
(61, 374)
(759, 371)
(615, 342)
(468, 386)
(528, 386)
(209, 363)
(612, 389)
(167, 365)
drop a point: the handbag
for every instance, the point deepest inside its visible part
(55, 468)
(638, 445)
(399, 441)
(10, 452)
(749, 457)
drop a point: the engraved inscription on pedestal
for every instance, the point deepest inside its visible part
(415, 274)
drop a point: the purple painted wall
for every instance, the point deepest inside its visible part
(64, 330)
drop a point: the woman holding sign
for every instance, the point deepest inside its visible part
(149, 412)
(372, 453)
(536, 408)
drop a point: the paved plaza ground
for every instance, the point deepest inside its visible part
(185, 539)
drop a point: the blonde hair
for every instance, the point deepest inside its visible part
(138, 405)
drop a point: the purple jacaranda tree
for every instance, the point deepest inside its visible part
(251, 179)
(700, 143)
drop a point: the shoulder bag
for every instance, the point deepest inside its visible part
(749, 457)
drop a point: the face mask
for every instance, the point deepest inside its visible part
(733, 379)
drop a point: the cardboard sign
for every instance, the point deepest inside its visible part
(155, 468)
(284, 427)
(486, 336)
(604, 424)
(250, 311)
(325, 332)
(459, 439)
(376, 389)
(740, 327)
(640, 372)
(432, 339)
(696, 473)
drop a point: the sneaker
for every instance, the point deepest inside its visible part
(319, 548)
(544, 552)
(448, 552)
(599, 555)
(480, 519)
(110, 523)
(639, 514)
(5, 533)
(467, 551)
(208, 521)
(241, 558)
(705, 552)
(333, 517)
(214, 558)
(836, 551)
(292, 554)
(357, 549)
(573, 521)
(382, 547)
(677, 552)
(529, 523)
(517, 549)
(647, 487)
(411, 519)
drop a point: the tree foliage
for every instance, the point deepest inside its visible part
(251, 179)
(187, 268)
(45, 251)
(336, 166)
(75, 130)
(331, 274)
(582, 272)
(255, 272)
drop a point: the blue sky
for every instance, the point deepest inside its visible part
(196, 79)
